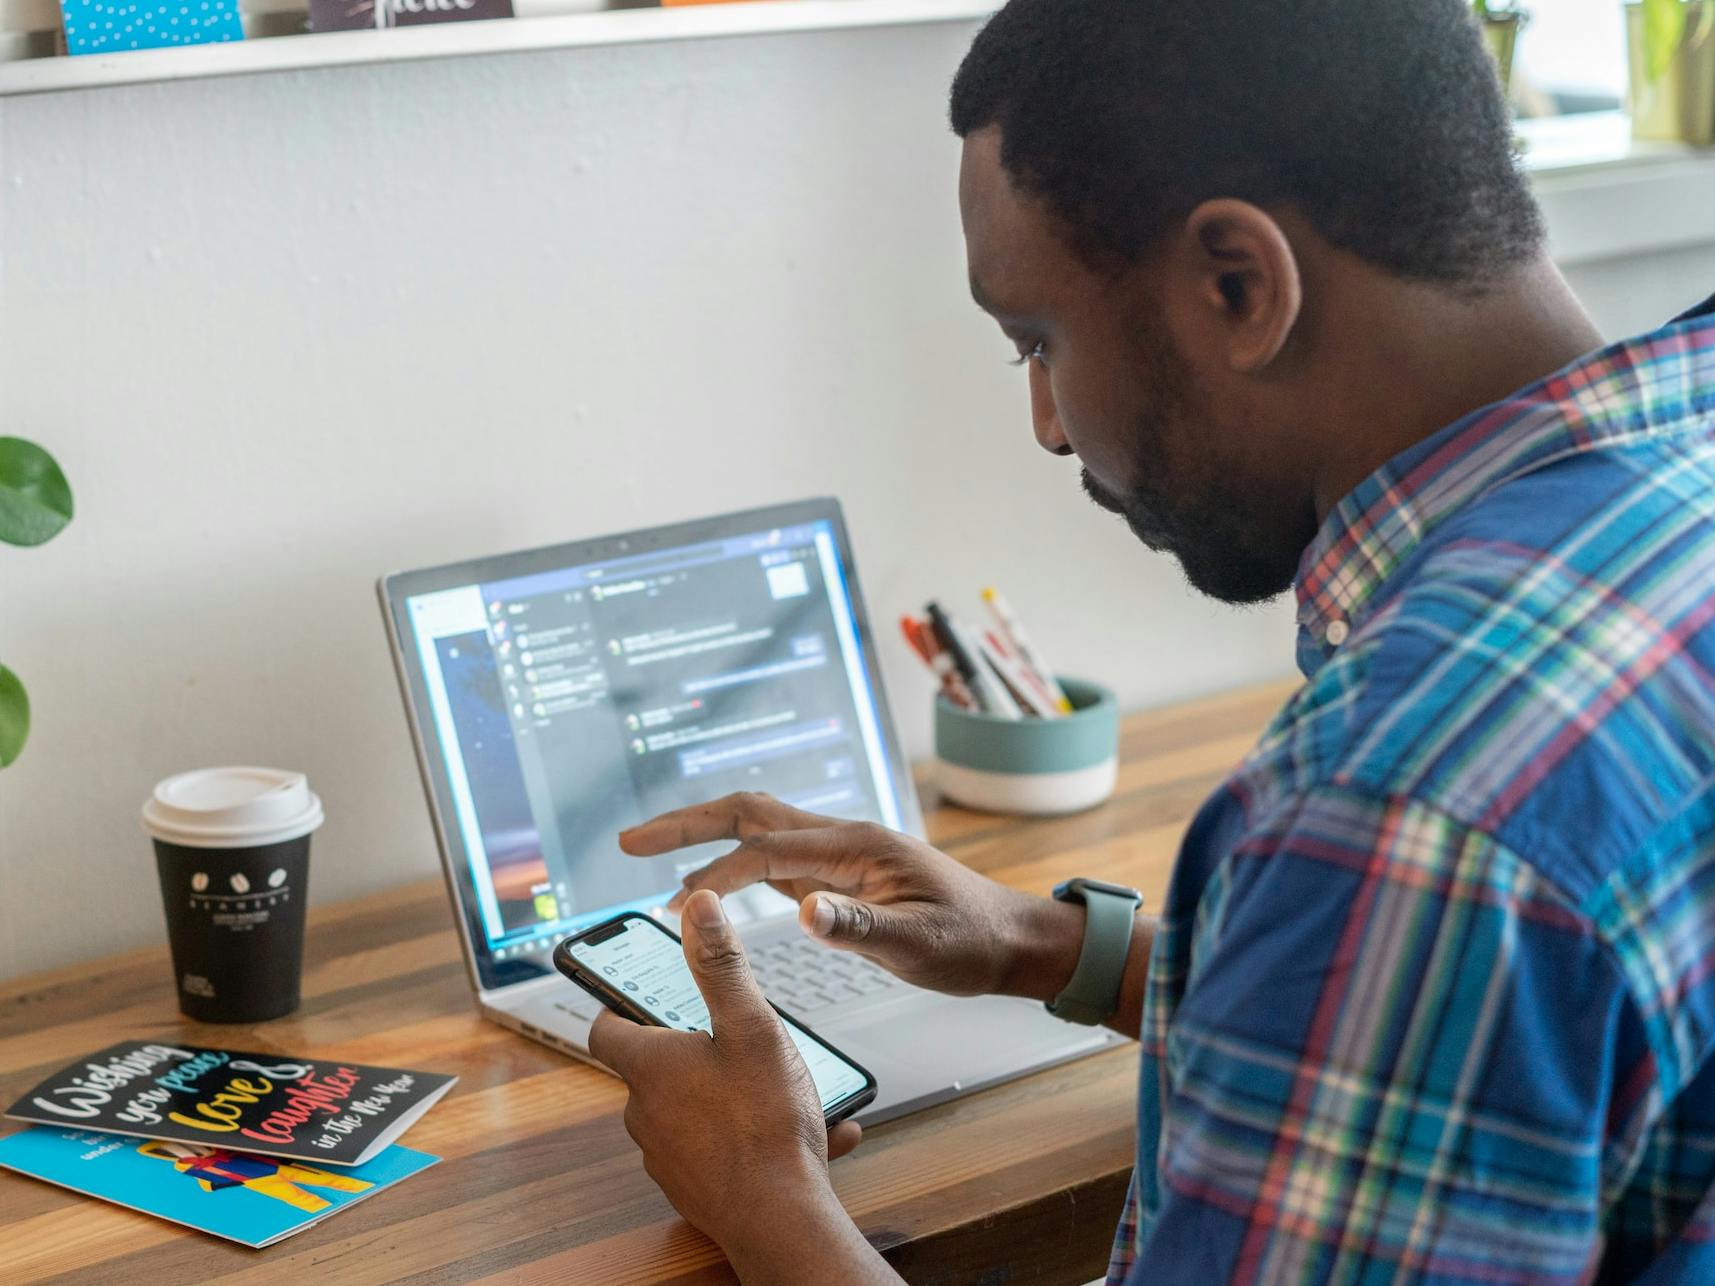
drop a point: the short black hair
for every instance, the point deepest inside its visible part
(1382, 122)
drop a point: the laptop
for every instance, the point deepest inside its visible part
(557, 696)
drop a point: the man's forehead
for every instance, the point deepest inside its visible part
(986, 193)
(1005, 233)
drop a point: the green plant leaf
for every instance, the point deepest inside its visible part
(35, 498)
(14, 716)
(1480, 8)
(1664, 28)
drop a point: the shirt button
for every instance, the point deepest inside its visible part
(1337, 632)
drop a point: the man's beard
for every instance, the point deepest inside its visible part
(1219, 537)
(1209, 538)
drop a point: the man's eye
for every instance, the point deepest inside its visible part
(1034, 353)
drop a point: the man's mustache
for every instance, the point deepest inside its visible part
(1103, 498)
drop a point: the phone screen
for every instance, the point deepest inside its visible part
(648, 964)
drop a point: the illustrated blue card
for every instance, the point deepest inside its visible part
(114, 26)
(243, 1197)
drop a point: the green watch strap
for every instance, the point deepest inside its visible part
(1109, 913)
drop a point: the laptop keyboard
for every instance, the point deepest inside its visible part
(803, 977)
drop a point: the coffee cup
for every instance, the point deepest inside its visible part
(232, 846)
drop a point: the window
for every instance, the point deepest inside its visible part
(1571, 58)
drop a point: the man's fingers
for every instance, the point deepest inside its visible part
(842, 921)
(617, 1043)
(718, 963)
(843, 1138)
(819, 854)
(734, 817)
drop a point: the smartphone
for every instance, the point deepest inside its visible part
(636, 967)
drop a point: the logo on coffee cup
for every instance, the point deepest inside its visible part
(276, 877)
(239, 883)
(199, 881)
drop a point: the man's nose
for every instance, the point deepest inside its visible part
(1044, 415)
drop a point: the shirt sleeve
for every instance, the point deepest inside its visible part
(1394, 1058)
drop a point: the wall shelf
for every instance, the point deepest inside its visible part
(459, 39)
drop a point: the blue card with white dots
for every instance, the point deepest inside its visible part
(113, 26)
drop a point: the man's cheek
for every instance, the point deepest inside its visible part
(1091, 430)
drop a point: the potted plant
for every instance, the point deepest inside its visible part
(1501, 24)
(35, 506)
(1671, 51)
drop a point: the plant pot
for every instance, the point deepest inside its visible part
(1680, 106)
(1500, 34)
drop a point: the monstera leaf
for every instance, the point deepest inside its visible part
(14, 716)
(35, 498)
(35, 506)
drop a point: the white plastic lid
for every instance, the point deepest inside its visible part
(232, 808)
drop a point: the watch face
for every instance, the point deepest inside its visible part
(1075, 889)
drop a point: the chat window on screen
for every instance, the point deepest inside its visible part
(576, 702)
(649, 966)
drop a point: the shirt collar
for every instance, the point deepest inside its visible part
(1616, 393)
(1704, 309)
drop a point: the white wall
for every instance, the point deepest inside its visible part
(287, 332)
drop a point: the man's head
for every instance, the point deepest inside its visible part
(1173, 210)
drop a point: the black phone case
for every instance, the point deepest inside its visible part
(615, 999)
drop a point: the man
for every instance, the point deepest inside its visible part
(1433, 991)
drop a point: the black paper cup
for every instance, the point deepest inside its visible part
(232, 847)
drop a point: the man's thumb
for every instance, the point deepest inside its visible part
(718, 963)
(843, 921)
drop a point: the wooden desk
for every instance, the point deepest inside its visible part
(539, 1181)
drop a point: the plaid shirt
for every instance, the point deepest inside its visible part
(1434, 988)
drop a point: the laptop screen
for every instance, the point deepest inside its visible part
(566, 703)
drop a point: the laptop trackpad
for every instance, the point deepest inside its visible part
(965, 1039)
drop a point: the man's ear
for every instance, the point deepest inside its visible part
(1247, 272)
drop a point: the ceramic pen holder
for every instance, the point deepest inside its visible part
(1033, 766)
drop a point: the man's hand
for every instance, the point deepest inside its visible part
(886, 896)
(731, 1127)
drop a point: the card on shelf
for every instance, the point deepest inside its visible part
(352, 15)
(115, 26)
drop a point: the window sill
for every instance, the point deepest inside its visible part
(1594, 140)
(1608, 196)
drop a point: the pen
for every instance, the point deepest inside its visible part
(1013, 633)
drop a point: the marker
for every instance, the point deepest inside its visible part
(941, 662)
(922, 640)
(1024, 685)
(989, 697)
(1014, 634)
(952, 686)
(908, 626)
(1022, 672)
(992, 688)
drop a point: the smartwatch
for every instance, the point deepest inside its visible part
(1094, 992)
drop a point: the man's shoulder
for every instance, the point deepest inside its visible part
(1541, 670)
